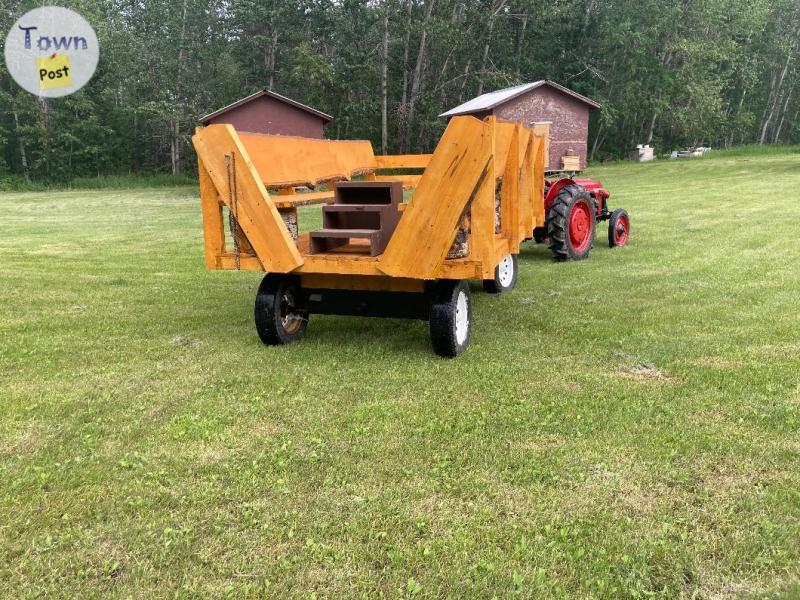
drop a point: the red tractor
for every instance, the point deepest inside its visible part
(572, 208)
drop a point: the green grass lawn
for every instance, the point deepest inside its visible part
(625, 426)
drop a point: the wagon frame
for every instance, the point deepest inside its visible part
(484, 182)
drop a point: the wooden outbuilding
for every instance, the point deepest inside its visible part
(268, 112)
(541, 102)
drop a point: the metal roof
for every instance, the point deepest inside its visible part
(271, 94)
(493, 99)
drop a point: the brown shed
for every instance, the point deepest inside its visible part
(544, 101)
(268, 112)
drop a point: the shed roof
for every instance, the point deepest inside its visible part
(271, 94)
(491, 100)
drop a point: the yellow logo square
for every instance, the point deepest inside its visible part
(54, 71)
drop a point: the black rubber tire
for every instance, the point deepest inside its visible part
(495, 286)
(271, 309)
(540, 235)
(443, 318)
(557, 222)
(613, 221)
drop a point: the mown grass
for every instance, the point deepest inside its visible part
(14, 183)
(625, 426)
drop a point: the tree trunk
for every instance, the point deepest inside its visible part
(520, 41)
(464, 81)
(597, 142)
(777, 135)
(486, 46)
(652, 128)
(775, 96)
(385, 86)
(402, 117)
(23, 155)
(273, 51)
(416, 81)
(175, 143)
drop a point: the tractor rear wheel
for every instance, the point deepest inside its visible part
(278, 319)
(570, 223)
(505, 276)
(450, 318)
(619, 228)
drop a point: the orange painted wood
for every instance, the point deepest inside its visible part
(509, 194)
(428, 226)
(302, 199)
(213, 225)
(481, 233)
(403, 161)
(254, 209)
(409, 181)
(504, 130)
(539, 165)
(526, 186)
(359, 264)
(543, 130)
(284, 161)
(247, 262)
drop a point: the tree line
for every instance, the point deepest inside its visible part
(671, 73)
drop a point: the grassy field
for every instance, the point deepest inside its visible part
(626, 426)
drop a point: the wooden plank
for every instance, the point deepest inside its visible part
(213, 225)
(481, 235)
(509, 195)
(290, 200)
(504, 130)
(362, 264)
(246, 262)
(285, 161)
(526, 188)
(403, 161)
(502, 248)
(254, 209)
(409, 181)
(543, 130)
(539, 166)
(428, 226)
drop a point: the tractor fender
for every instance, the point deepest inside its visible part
(553, 190)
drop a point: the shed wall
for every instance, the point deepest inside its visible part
(569, 120)
(268, 115)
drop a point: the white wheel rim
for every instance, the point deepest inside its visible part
(505, 271)
(462, 318)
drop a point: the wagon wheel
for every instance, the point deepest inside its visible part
(450, 318)
(619, 228)
(505, 276)
(279, 319)
(570, 223)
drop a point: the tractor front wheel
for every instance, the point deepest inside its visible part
(278, 318)
(619, 228)
(570, 223)
(450, 318)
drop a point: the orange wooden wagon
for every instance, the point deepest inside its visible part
(479, 196)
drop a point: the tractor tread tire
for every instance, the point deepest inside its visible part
(557, 222)
(612, 226)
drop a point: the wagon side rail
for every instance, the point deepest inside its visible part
(458, 180)
(229, 178)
